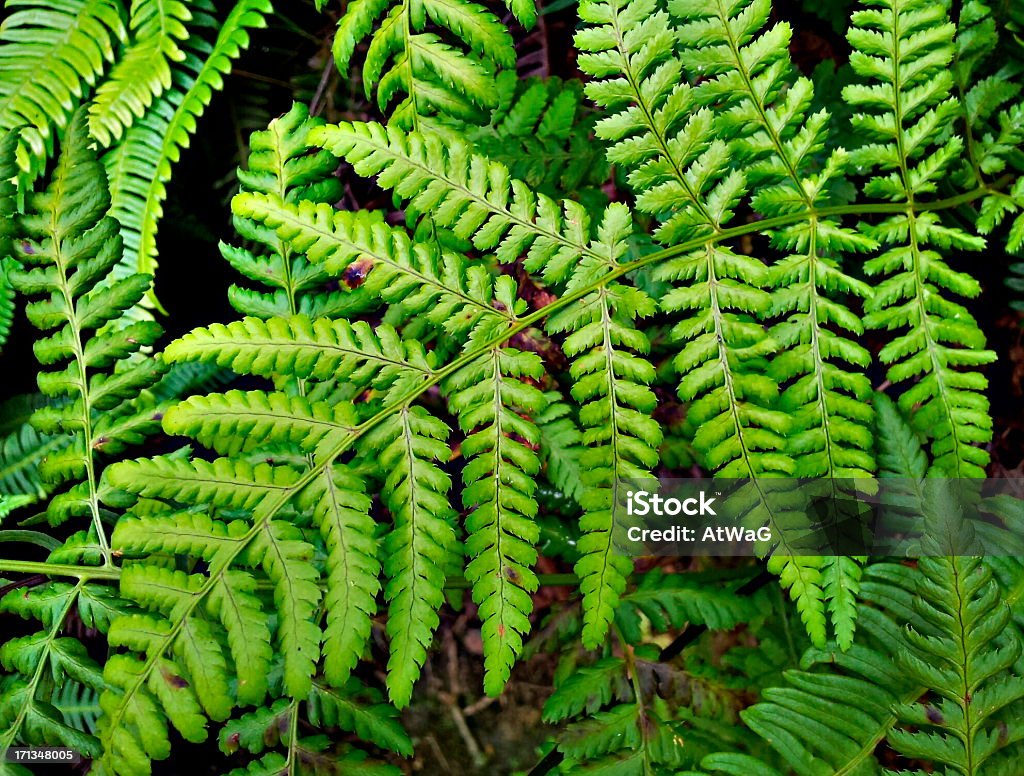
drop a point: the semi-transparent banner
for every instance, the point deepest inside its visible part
(742, 518)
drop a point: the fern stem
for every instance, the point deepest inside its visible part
(634, 679)
(963, 668)
(83, 388)
(291, 766)
(545, 580)
(84, 573)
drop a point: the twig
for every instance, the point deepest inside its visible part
(475, 753)
(314, 105)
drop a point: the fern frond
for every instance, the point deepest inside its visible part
(143, 73)
(664, 601)
(41, 660)
(8, 211)
(541, 131)
(71, 246)
(353, 708)
(79, 705)
(282, 164)
(434, 76)
(680, 173)
(678, 169)
(357, 708)
(380, 260)
(341, 511)
(479, 201)
(561, 445)
(746, 85)
(287, 562)
(418, 549)
(610, 382)
(140, 165)
(319, 349)
(50, 55)
(22, 453)
(903, 48)
(493, 403)
(240, 421)
(963, 652)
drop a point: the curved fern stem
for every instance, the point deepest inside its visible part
(85, 573)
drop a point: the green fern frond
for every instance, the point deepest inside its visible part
(541, 131)
(380, 260)
(493, 403)
(319, 349)
(286, 559)
(8, 212)
(418, 550)
(904, 48)
(342, 512)
(71, 245)
(353, 708)
(678, 169)
(79, 705)
(22, 452)
(139, 167)
(434, 76)
(680, 173)
(41, 660)
(664, 601)
(956, 642)
(358, 709)
(611, 384)
(479, 201)
(765, 116)
(561, 445)
(282, 164)
(964, 653)
(50, 55)
(143, 73)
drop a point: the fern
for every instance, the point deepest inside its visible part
(626, 705)
(40, 660)
(478, 201)
(281, 164)
(494, 405)
(50, 55)
(144, 72)
(435, 76)
(431, 396)
(139, 166)
(352, 709)
(906, 47)
(72, 244)
(541, 131)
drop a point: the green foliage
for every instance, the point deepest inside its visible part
(52, 53)
(435, 76)
(466, 330)
(144, 72)
(140, 165)
(906, 48)
(69, 247)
